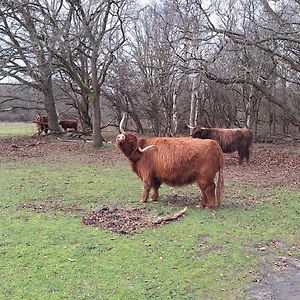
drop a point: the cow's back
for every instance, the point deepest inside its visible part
(178, 161)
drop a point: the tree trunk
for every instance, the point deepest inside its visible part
(249, 107)
(50, 107)
(97, 137)
(174, 111)
(136, 119)
(193, 104)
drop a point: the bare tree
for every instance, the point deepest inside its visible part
(269, 34)
(154, 61)
(24, 55)
(86, 34)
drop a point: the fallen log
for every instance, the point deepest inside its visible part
(170, 218)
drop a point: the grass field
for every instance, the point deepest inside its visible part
(16, 129)
(208, 254)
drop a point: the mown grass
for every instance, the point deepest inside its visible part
(16, 129)
(207, 254)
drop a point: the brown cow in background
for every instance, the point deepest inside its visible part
(176, 162)
(72, 124)
(230, 140)
(41, 124)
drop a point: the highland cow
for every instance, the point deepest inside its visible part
(72, 124)
(176, 162)
(41, 124)
(230, 140)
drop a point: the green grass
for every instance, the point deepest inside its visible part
(16, 129)
(207, 254)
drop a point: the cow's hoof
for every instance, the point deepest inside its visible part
(209, 207)
(200, 206)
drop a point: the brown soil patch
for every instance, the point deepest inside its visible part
(119, 220)
(270, 166)
(50, 148)
(281, 277)
(126, 221)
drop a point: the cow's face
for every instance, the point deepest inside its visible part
(127, 143)
(200, 133)
(38, 118)
(41, 119)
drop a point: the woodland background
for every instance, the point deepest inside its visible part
(218, 63)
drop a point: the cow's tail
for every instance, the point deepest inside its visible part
(220, 184)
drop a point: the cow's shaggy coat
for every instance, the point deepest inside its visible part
(72, 124)
(230, 140)
(41, 124)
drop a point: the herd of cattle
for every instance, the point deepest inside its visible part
(42, 124)
(178, 161)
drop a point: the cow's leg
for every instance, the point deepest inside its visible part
(247, 155)
(145, 194)
(155, 188)
(208, 189)
(210, 193)
(203, 200)
(39, 128)
(148, 184)
(241, 156)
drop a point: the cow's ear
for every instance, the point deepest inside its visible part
(140, 143)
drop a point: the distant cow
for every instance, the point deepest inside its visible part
(175, 161)
(41, 124)
(72, 124)
(230, 140)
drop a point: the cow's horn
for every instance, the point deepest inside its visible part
(145, 149)
(191, 127)
(121, 124)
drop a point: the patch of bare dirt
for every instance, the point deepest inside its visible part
(281, 278)
(270, 166)
(126, 221)
(181, 200)
(50, 148)
(119, 220)
(275, 287)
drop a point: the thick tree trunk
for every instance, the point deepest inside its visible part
(50, 107)
(83, 107)
(97, 137)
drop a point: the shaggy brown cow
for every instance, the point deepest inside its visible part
(72, 124)
(230, 140)
(175, 161)
(41, 124)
